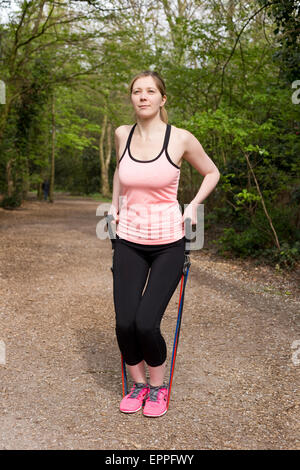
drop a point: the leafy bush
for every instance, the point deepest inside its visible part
(11, 202)
(286, 258)
(243, 244)
(251, 243)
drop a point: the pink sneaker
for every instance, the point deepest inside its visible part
(134, 400)
(156, 402)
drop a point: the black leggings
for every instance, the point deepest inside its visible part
(138, 314)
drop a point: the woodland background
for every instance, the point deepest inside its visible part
(232, 74)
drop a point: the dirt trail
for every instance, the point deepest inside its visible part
(235, 384)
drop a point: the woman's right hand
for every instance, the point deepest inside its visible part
(114, 212)
(112, 221)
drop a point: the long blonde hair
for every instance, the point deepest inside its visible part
(160, 85)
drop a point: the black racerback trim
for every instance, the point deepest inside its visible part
(166, 138)
(165, 147)
(126, 146)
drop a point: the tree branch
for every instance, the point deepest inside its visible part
(235, 45)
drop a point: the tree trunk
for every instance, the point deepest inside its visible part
(105, 182)
(39, 191)
(101, 150)
(52, 166)
(25, 179)
(9, 178)
(105, 157)
(4, 117)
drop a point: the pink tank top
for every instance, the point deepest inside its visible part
(149, 212)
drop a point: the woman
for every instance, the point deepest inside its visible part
(150, 234)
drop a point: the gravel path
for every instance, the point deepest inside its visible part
(236, 383)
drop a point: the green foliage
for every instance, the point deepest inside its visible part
(286, 16)
(243, 244)
(11, 202)
(247, 244)
(286, 258)
(254, 238)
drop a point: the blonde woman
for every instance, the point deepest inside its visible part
(150, 238)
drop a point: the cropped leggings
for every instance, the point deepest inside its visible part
(138, 313)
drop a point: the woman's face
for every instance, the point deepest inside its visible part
(146, 97)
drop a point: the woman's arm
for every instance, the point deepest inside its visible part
(114, 209)
(196, 156)
(115, 195)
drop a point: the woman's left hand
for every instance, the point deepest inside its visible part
(190, 212)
